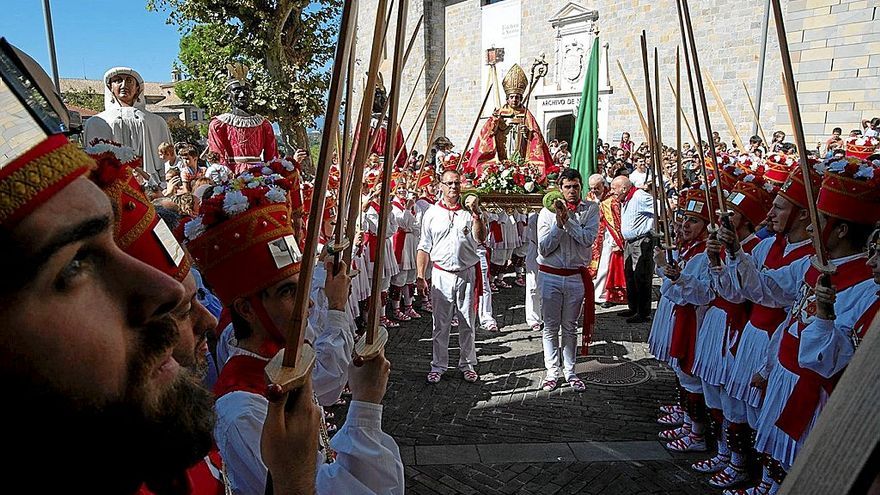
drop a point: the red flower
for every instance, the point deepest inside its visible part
(519, 179)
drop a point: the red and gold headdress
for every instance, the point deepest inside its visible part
(851, 190)
(137, 229)
(243, 238)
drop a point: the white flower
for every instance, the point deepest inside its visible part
(193, 228)
(235, 203)
(266, 171)
(276, 194)
(287, 165)
(865, 173)
(529, 187)
(217, 191)
(254, 184)
(507, 172)
(246, 176)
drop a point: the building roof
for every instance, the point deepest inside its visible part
(160, 96)
(82, 111)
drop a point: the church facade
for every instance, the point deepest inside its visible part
(834, 43)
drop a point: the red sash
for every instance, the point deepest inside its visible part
(737, 314)
(495, 228)
(589, 308)
(764, 317)
(684, 329)
(804, 399)
(398, 240)
(371, 241)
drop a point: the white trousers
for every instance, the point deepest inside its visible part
(533, 298)
(452, 294)
(561, 300)
(485, 310)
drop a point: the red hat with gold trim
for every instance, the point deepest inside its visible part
(398, 179)
(425, 179)
(793, 188)
(861, 147)
(731, 171)
(137, 228)
(243, 239)
(752, 197)
(692, 202)
(777, 167)
(851, 190)
(287, 168)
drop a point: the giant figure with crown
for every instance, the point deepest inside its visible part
(512, 134)
(240, 137)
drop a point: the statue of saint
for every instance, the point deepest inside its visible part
(240, 138)
(512, 133)
(125, 120)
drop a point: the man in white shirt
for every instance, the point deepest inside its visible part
(636, 222)
(640, 174)
(565, 247)
(449, 239)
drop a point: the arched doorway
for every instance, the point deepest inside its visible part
(561, 128)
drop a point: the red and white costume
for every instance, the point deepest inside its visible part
(242, 141)
(564, 255)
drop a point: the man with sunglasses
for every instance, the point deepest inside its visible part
(449, 238)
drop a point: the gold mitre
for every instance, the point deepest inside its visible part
(237, 73)
(515, 82)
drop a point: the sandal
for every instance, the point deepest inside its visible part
(577, 384)
(493, 328)
(548, 385)
(454, 322)
(711, 465)
(471, 376)
(536, 327)
(427, 307)
(401, 316)
(672, 419)
(762, 488)
(728, 477)
(689, 443)
(434, 377)
(675, 433)
(413, 314)
(671, 408)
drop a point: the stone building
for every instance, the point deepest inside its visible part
(835, 47)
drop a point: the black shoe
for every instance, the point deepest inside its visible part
(627, 313)
(637, 319)
(607, 304)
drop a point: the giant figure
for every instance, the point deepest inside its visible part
(125, 120)
(240, 138)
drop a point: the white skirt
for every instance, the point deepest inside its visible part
(750, 358)
(708, 357)
(410, 249)
(389, 265)
(360, 284)
(661, 330)
(770, 439)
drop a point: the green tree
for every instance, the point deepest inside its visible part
(86, 98)
(182, 133)
(286, 43)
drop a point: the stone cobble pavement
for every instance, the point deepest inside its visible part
(463, 438)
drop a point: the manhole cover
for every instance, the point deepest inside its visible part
(617, 375)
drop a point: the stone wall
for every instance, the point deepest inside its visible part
(835, 45)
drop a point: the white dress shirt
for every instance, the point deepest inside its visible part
(569, 246)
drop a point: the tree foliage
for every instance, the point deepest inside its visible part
(286, 43)
(86, 98)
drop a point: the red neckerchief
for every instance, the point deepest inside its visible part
(441, 204)
(572, 206)
(374, 205)
(242, 373)
(399, 204)
(630, 194)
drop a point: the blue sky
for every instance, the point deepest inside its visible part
(93, 35)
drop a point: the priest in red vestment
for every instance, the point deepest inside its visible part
(512, 133)
(240, 138)
(606, 267)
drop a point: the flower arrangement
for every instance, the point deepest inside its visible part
(509, 177)
(853, 168)
(243, 193)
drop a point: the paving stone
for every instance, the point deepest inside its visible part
(446, 454)
(619, 451)
(525, 452)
